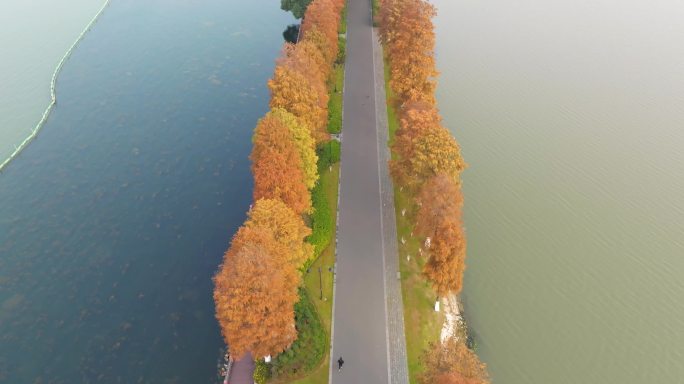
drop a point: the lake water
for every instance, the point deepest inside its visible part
(34, 35)
(113, 221)
(570, 114)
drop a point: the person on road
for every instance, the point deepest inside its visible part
(340, 363)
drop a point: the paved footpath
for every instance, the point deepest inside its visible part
(242, 371)
(368, 328)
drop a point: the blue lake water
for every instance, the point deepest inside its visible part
(114, 220)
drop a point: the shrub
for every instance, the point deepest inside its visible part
(308, 350)
(328, 154)
(342, 50)
(336, 85)
(262, 372)
(322, 223)
(335, 113)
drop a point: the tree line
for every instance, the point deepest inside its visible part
(427, 163)
(256, 286)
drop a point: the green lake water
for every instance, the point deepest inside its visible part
(570, 114)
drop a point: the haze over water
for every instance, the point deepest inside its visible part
(570, 115)
(113, 221)
(34, 35)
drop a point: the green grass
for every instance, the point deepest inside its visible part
(422, 324)
(329, 181)
(335, 101)
(392, 119)
(343, 22)
(376, 10)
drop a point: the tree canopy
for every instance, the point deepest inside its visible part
(439, 217)
(306, 145)
(291, 90)
(446, 258)
(426, 154)
(255, 293)
(408, 34)
(305, 59)
(277, 166)
(288, 229)
(256, 287)
(297, 7)
(452, 362)
(440, 200)
(324, 16)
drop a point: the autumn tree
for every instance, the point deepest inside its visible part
(324, 16)
(440, 201)
(277, 166)
(388, 19)
(291, 91)
(254, 294)
(416, 119)
(446, 258)
(288, 229)
(432, 152)
(328, 51)
(416, 116)
(423, 147)
(439, 218)
(452, 362)
(408, 34)
(297, 7)
(306, 59)
(306, 146)
(256, 286)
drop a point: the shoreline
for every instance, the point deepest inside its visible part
(433, 334)
(453, 321)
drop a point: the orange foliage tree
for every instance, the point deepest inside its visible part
(446, 258)
(327, 49)
(291, 90)
(305, 58)
(277, 166)
(427, 154)
(452, 362)
(439, 218)
(287, 227)
(408, 34)
(299, 84)
(304, 142)
(256, 287)
(255, 292)
(416, 120)
(440, 200)
(324, 16)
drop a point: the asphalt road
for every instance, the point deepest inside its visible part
(360, 333)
